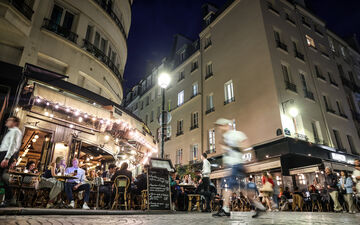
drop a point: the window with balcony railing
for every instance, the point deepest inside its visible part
(290, 86)
(52, 26)
(102, 57)
(318, 73)
(212, 109)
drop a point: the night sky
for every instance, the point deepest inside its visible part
(154, 23)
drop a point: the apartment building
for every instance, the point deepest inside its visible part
(270, 67)
(85, 40)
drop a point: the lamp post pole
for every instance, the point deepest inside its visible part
(163, 123)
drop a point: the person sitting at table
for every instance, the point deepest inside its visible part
(48, 180)
(77, 184)
(122, 171)
(187, 180)
(106, 188)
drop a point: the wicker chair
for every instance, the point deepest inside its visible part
(121, 184)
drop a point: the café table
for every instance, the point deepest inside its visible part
(65, 177)
(22, 175)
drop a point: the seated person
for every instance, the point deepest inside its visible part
(287, 193)
(122, 171)
(218, 202)
(187, 180)
(298, 199)
(48, 180)
(76, 184)
(106, 189)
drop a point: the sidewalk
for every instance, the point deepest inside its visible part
(40, 211)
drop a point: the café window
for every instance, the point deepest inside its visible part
(211, 137)
(179, 156)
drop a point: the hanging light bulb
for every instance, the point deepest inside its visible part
(34, 140)
(71, 126)
(51, 115)
(56, 106)
(80, 119)
(107, 137)
(91, 157)
(47, 103)
(116, 140)
(67, 110)
(36, 136)
(46, 113)
(85, 116)
(93, 119)
(38, 100)
(108, 122)
(77, 113)
(17, 109)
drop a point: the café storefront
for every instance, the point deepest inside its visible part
(291, 162)
(62, 119)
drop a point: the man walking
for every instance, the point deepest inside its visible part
(206, 171)
(331, 186)
(8, 150)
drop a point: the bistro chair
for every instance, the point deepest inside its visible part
(144, 200)
(315, 202)
(121, 184)
(197, 198)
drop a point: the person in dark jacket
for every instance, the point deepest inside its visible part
(123, 171)
(331, 185)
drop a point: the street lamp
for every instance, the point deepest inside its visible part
(163, 81)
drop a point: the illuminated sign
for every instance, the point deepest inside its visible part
(338, 157)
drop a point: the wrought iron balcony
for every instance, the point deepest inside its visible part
(350, 84)
(22, 7)
(281, 45)
(210, 110)
(330, 110)
(227, 101)
(299, 55)
(325, 55)
(334, 83)
(107, 8)
(320, 76)
(290, 20)
(52, 26)
(194, 95)
(208, 75)
(102, 57)
(271, 8)
(290, 86)
(194, 126)
(193, 68)
(309, 94)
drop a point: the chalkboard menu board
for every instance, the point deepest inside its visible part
(159, 189)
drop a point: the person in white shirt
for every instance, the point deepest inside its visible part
(10, 145)
(206, 171)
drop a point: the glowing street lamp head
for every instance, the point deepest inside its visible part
(164, 80)
(293, 111)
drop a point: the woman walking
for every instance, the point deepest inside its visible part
(345, 186)
(267, 189)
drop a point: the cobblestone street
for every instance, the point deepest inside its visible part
(199, 219)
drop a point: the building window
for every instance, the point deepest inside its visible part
(229, 92)
(180, 126)
(207, 42)
(168, 131)
(210, 103)
(195, 89)
(341, 71)
(62, 17)
(152, 94)
(142, 105)
(338, 141)
(351, 144)
(194, 120)
(342, 49)
(303, 81)
(182, 56)
(328, 104)
(209, 69)
(147, 100)
(181, 76)
(151, 116)
(310, 42)
(180, 98)
(146, 119)
(158, 112)
(212, 140)
(340, 109)
(286, 73)
(179, 156)
(89, 32)
(319, 73)
(332, 80)
(315, 131)
(332, 46)
(194, 152)
(194, 65)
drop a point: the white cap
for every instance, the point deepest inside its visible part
(223, 121)
(233, 138)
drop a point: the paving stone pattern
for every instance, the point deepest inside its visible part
(292, 218)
